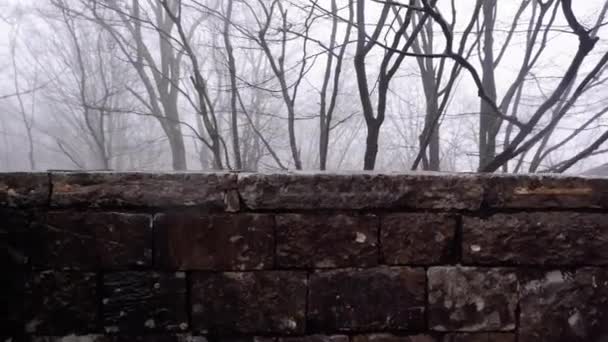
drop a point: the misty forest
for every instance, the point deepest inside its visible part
(514, 86)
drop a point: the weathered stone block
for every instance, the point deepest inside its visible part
(541, 191)
(265, 302)
(472, 299)
(92, 240)
(418, 239)
(383, 298)
(120, 338)
(208, 190)
(480, 337)
(60, 303)
(315, 338)
(393, 338)
(12, 297)
(15, 239)
(136, 302)
(323, 241)
(24, 189)
(539, 238)
(359, 191)
(188, 241)
(564, 307)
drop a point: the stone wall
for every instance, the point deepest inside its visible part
(303, 257)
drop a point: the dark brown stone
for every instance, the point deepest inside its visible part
(480, 337)
(324, 241)
(393, 338)
(417, 239)
(540, 191)
(206, 190)
(382, 298)
(564, 307)
(91, 240)
(268, 302)
(12, 297)
(315, 338)
(24, 189)
(60, 303)
(15, 239)
(359, 191)
(472, 299)
(189, 241)
(120, 338)
(539, 238)
(135, 302)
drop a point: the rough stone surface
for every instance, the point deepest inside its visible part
(92, 240)
(24, 189)
(418, 239)
(249, 302)
(472, 299)
(559, 306)
(383, 298)
(206, 190)
(12, 297)
(188, 241)
(539, 238)
(532, 191)
(324, 241)
(359, 191)
(480, 337)
(393, 338)
(135, 302)
(315, 338)
(121, 338)
(15, 239)
(60, 303)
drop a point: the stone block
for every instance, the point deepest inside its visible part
(312, 191)
(93, 240)
(24, 189)
(327, 241)
(418, 239)
(536, 238)
(472, 299)
(107, 189)
(137, 302)
(545, 191)
(375, 299)
(191, 241)
(560, 306)
(260, 302)
(60, 303)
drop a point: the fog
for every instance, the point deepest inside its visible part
(269, 85)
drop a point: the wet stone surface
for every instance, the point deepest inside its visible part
(121, 338)
(393, 338)
(561, 306)
(480, 337)
(190, 241)
(326, 241)
(60, 303)
(15, 239)
(136, 302)
(93, 240)
(472, 299)
(538, 238)
(262, 302)
(537, 191)
(206, 190)
(418, 239)
(383, 298)
(24, 189)
(359, 191)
